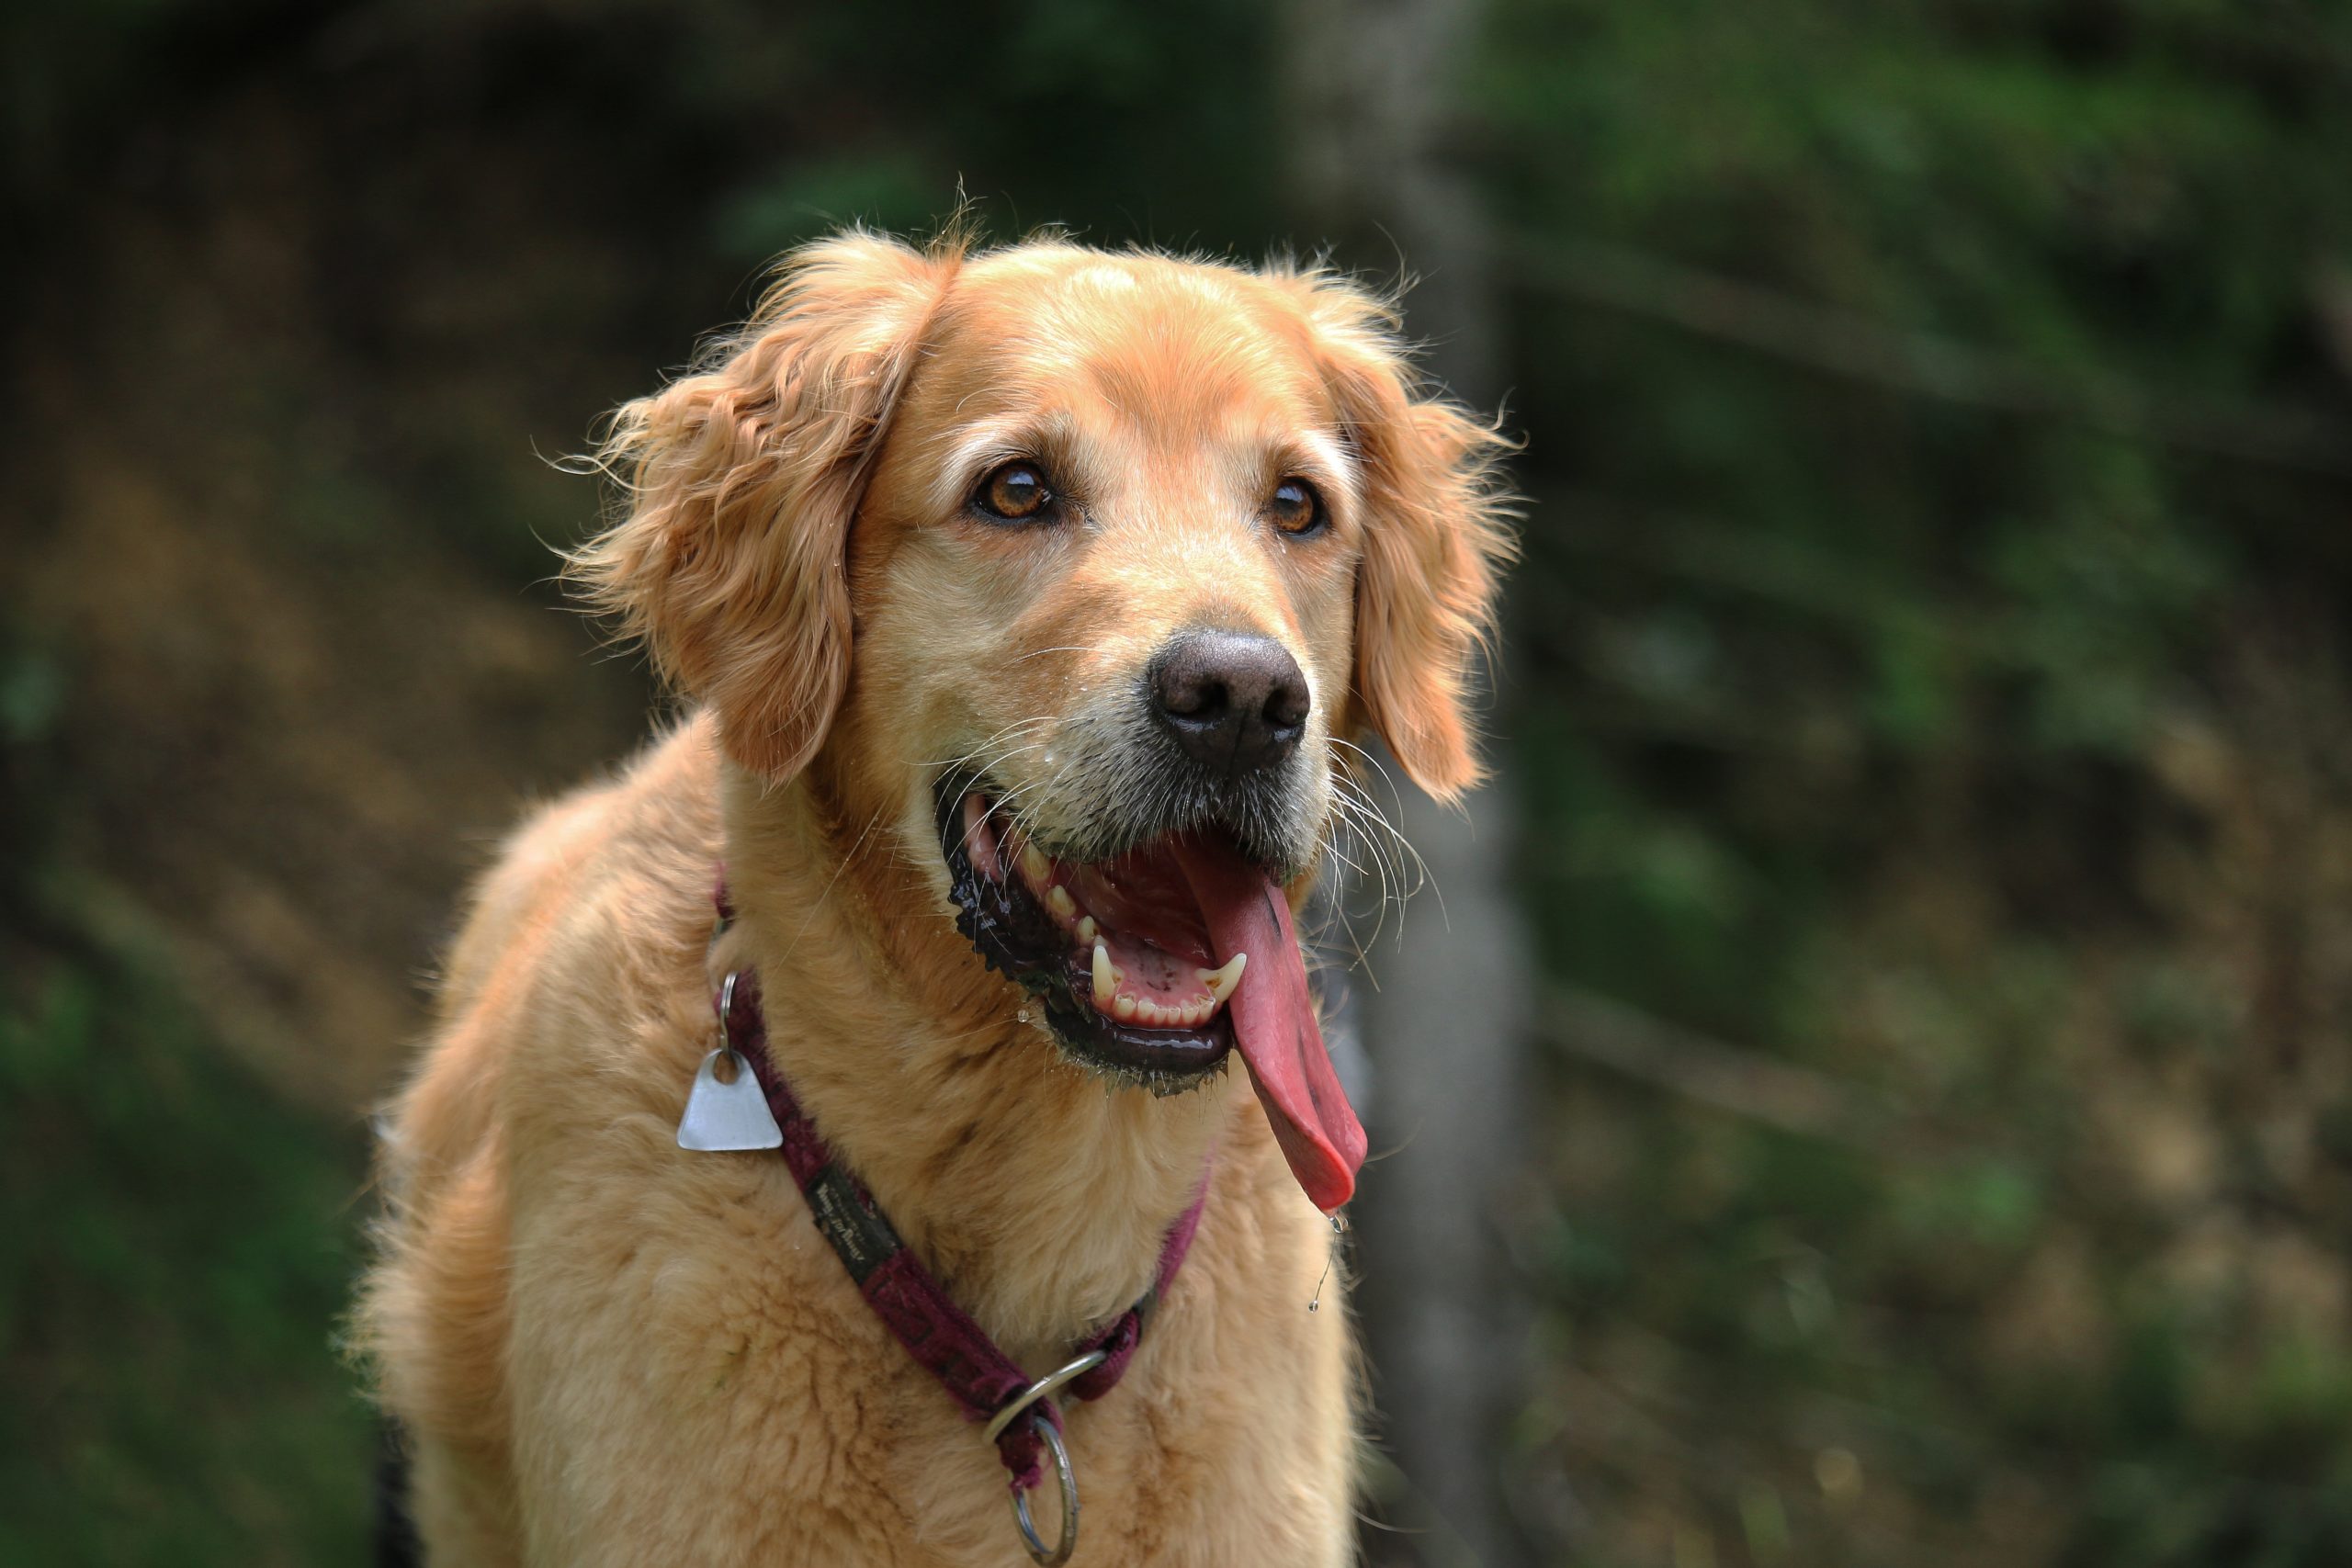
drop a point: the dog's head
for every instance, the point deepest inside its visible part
(1081, 568)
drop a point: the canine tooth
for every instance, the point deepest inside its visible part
(1036, 864)
(1104, 984)
(1123, 1009)
(1221, 982)
(978, 837)
(1087, 928)
(1061, 903)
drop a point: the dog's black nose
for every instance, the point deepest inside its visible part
(1236, 701)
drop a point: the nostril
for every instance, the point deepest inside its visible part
(1196, 699)
(1184, 690)
(1288, 703)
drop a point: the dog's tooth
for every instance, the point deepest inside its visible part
(979, 839)
(1061, 903)
(1087, 928)
(1036, 864)
(1123, 1009)
(1221, 981)
(1104, 985)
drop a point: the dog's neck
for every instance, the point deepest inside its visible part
(1038, 1193)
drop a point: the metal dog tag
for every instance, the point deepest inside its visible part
(725, 1117)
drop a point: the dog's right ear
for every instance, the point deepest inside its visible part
(739, 482)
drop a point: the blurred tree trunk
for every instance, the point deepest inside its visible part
(1445, 1026)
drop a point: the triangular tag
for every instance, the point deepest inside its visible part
(727, 1118)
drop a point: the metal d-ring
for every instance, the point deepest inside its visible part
(1026, 1400)
(1039, 1553)
(735, 1063)
(1038, 1389)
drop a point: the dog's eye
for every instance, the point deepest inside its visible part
(1294, 508)
(1015, 493)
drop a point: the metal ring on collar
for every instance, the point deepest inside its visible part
(736, 1065)
(1055, 1556)
(1038, 1389)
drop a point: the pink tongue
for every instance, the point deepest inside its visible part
(1274, 1024)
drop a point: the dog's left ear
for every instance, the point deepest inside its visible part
(739, 483)
(1436, 537)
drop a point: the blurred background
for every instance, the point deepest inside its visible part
(1877, 1092)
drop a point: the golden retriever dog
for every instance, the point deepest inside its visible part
(1027, 599)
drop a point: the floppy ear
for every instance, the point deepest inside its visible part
(739, 481)
(1436, 537)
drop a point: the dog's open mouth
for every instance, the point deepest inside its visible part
(1152, 965)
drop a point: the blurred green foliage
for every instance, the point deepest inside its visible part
(177, 1247)
(1927, 686)
(1935, 700)
(175, 1241)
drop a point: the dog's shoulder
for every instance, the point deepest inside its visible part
(653, 825)
(584, 901)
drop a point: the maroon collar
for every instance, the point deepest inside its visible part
(982, 1380)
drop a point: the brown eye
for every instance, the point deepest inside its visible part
(1015, 493)
(1295, 507)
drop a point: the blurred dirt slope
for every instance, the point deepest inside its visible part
(300, 709)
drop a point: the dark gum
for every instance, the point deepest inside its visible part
(1017, 936)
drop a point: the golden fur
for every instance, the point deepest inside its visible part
(606, 1350)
